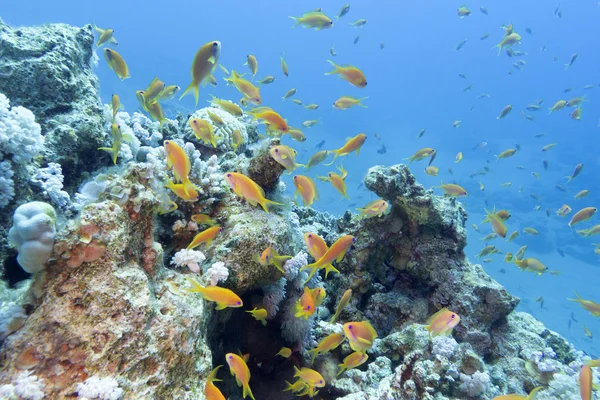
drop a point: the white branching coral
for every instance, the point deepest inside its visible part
(100, 388)
(188, 258)
(476, 384)
(7, 185)
(224, 135)
(218, 272)
(50, 179)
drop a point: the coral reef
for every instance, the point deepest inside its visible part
(106, 313)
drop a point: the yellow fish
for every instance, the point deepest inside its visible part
(360, 335)
(206, 236)
(432, 170)
(270, 257)
(115, 103)
(353, 360)
(506, 153)
(239, 369)
(421, 154)
(156, 112)
(497, 223)
(508, 41)
(345, 102)
(244, 86)
(306, 188)
(117, 136)
(116, 63)
(459, 157)
(252, 63)
(317, 248)
(442, 322)
(531, 264)
(259, 314)
(285, 352)
(236, 139)
(106, 36)
(305, 306)
(284, 66)
(376, 208)
(518, 396)
(583, 215)
(349, 73)
(179, 191)
(453, 190)
(178, 160)
(153, 91)
(222, 296)
(169, 92)
(343, 303)
(586, 382)
(337, 181)
(285, 156)
(211, 392)
(336, 252)
(249, 190)
(313, 19)
(310, 376)
(203, 131)
(317, 158)
(352, 144)
(203, 219)
(329, 343)
(591, 306)
(204, 64)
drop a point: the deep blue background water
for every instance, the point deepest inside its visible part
(412, 84)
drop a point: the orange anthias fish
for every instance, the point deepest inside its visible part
(204, 64)
(343, 303)
(203, 131)
(206, 236)
(203, 219)
(586, 382)
(259, 314)
(337, 181)
(310, 376)
(498, 225)
(239, 369)
(211, 392)
(376, 208)
(442, 322)
(318, 294)
(591, 306)
(179, 191)
(245, 87)
(249, 190)
(331, 342)
(306, 188)
(273, 119)
(222, 296)
(178, 160)
(360, 335)
(353, 144)
(353, 360)
(285, 156)
(270, 257)
(305, 306)
(117, 63)
(317, 248)
(336, 252)
(349, 73)
(519, 396)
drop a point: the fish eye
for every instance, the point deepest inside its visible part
(453, 315)
(229, 175)
(321, 381)
(350, 327)
(308, 308)
(238, 303)
(215, 44)
(276, 150)
(231, 357)
(353, 240)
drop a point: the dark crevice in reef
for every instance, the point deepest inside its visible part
(12, 271)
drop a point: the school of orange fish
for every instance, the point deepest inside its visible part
(360, 335)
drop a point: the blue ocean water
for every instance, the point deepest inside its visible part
(413, 84)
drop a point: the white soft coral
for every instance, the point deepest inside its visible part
(100, 388)
(217, 272)
(188, 258)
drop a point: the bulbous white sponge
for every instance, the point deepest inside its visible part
(33, 234)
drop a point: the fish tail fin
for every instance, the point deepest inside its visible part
(361, 104)
(196, 89)
(278, 261)
(213, 375)
(314, 353)
(343, 368)
(335, 316)
(196, 287)
(335, 155)
(265, 203)
(330, 268)
(113, 152)
(296, 21)
(188, 186)
(336, 68)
